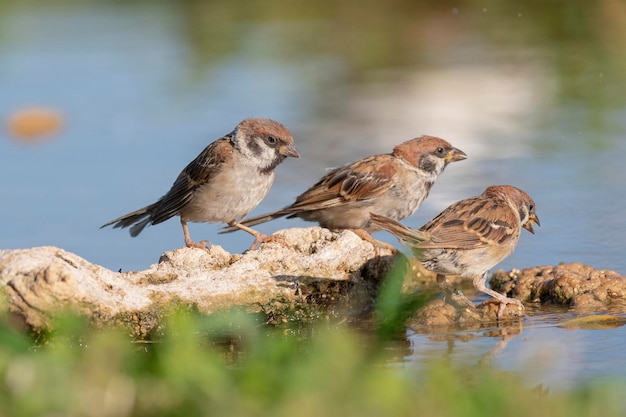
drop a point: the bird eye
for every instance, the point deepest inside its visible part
(440, 151)
(271, 140)
(531, 207)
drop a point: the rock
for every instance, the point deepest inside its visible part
(575, 285)
(442, 316)
(310, 272)
(310, 265)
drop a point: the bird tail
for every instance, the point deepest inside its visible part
(253, 221)
(407, 236)
(138, 219)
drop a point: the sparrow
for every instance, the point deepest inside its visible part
(224, 183)
(471, 236)
(393, 184)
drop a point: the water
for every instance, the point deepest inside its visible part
(535, 95)
(542, 349)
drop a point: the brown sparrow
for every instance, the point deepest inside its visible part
(471, 236)
(392, 184)
(229, 178)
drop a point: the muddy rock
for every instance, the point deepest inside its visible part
(310, 273)
(308, 266)
(575, 285)
(453, 313)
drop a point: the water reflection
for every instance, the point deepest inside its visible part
(540, 347)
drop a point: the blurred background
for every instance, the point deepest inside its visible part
(104, 102)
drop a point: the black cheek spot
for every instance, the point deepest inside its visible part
(254, 146)
(522, 213)
(427, 164)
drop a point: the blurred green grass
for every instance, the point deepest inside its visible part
(81, 371)
(234, 364)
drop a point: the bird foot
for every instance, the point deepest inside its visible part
(261, 238)
(200, 245)
(460, 300)
(456, 298)
(377, 244)
(506, 300)
(479, 284)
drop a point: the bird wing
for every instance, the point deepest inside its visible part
(362, 180)
(359, 181)
(473, 223)
(196, 173)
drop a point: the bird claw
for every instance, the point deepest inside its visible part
(460, 300)
(262, 238)
(200, 245)
(504, 301)
(377, 244)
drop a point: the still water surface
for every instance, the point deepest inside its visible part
(535, 97)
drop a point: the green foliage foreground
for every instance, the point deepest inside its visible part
(234, 365)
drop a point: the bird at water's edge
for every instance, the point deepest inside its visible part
(471, 236)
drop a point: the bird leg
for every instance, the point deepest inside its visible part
(259, 237)
(442, 281)
(188, 242)
(363, 234)
(455, 296)
(479, 284)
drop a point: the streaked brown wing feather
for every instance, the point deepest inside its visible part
(471, 224)
(196, 173)
(349, 183)
(354, 182)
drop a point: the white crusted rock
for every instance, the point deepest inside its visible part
(40, 281)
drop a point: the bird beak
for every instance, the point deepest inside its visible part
(455, 155)
(289, 150)
(529, 224)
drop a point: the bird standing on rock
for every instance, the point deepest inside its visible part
(393, 185)
(224, 183)
(471, 236)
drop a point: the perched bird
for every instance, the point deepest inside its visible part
(471, 236)
(393, 185)
(229, 178)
